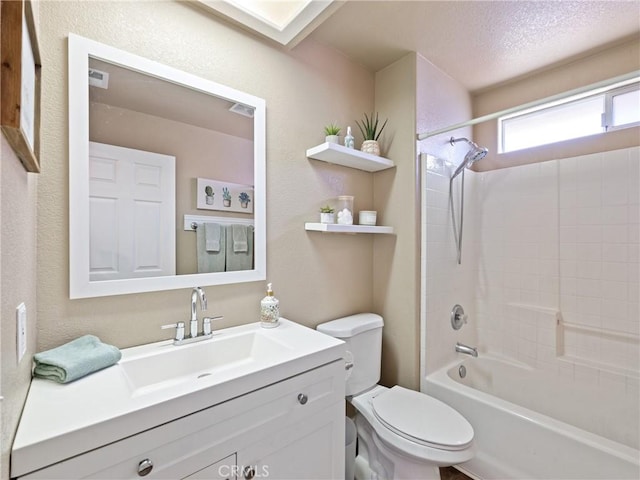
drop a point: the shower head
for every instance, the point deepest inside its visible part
(474, 154)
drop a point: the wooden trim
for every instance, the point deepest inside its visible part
(11, 81)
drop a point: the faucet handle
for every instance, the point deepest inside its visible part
(179, 326)
(206, 324)
(458, 317)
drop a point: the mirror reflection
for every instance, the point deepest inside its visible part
(175, 178)
(167, 147)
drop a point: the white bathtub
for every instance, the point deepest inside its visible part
(531, 425)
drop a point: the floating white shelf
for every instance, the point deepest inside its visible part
(349, 157)
(336, 228)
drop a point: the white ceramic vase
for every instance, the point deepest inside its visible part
(327, 217)
(332, 139)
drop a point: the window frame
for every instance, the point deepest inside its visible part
(608, 107)
(607, 93)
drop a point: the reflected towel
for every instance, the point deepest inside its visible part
(240, 260)
(212, 237)
(239, 238)
(209, 262)
(75, 359)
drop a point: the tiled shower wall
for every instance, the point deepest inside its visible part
(554, 259)
(599, 200)
(444, 282)
(517, 253)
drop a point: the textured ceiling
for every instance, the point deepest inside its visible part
(479, 43)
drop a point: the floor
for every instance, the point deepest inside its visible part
(450, 473)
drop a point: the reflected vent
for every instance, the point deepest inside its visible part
(241, 109)
(98, 78)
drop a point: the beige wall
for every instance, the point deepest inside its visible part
(18, 194)
(602, 65)
(18, 190)
(396, 257)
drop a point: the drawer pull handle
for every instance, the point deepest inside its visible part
(302, 398)
(145, 467)
(249, 472)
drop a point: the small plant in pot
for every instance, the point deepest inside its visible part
(370, 133)
(208, 191)
(244, 199)
(226, 197)
(327, 214)
(332, 133)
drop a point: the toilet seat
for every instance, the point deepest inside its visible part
(422, 419)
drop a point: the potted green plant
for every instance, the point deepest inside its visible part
(327, 214)
(370, 133)
(226, 197)
(208, 191)
(332, 133)
(244, 199)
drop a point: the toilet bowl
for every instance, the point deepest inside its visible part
(414, 433)
(402, 434)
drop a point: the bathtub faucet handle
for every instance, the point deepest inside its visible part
(458, 317)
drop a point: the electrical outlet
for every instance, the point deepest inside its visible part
(21, 331)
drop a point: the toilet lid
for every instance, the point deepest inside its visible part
(422, 419)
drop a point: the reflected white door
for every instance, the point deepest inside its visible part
(132, 213)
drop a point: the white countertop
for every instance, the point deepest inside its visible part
(61, 421)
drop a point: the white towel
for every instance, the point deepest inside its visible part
(239, 238)
(212, 237)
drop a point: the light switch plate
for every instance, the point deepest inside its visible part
(21, 331)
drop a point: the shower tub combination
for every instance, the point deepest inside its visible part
(531, 425)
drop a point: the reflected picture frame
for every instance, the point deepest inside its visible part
(20, 81)
(223, 196)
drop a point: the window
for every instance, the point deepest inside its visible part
(592, 112)
(623, 105)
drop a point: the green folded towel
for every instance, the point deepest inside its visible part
(75, 359)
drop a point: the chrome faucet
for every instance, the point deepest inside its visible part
(193, 324)
(194, 336)
(460, 348)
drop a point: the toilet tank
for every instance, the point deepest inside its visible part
(363, 335)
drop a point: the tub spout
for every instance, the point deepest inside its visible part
(460, 348)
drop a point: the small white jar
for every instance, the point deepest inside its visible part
(367, 217)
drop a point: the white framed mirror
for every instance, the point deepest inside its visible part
(144, 139)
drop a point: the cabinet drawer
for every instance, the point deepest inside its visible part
(224, 469)
(192, 443)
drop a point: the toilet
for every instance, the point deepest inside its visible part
(402, 434)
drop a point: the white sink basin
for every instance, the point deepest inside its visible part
(221, 356)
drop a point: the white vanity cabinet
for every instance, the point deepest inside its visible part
(291, 429)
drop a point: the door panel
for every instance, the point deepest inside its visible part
(132, 202)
